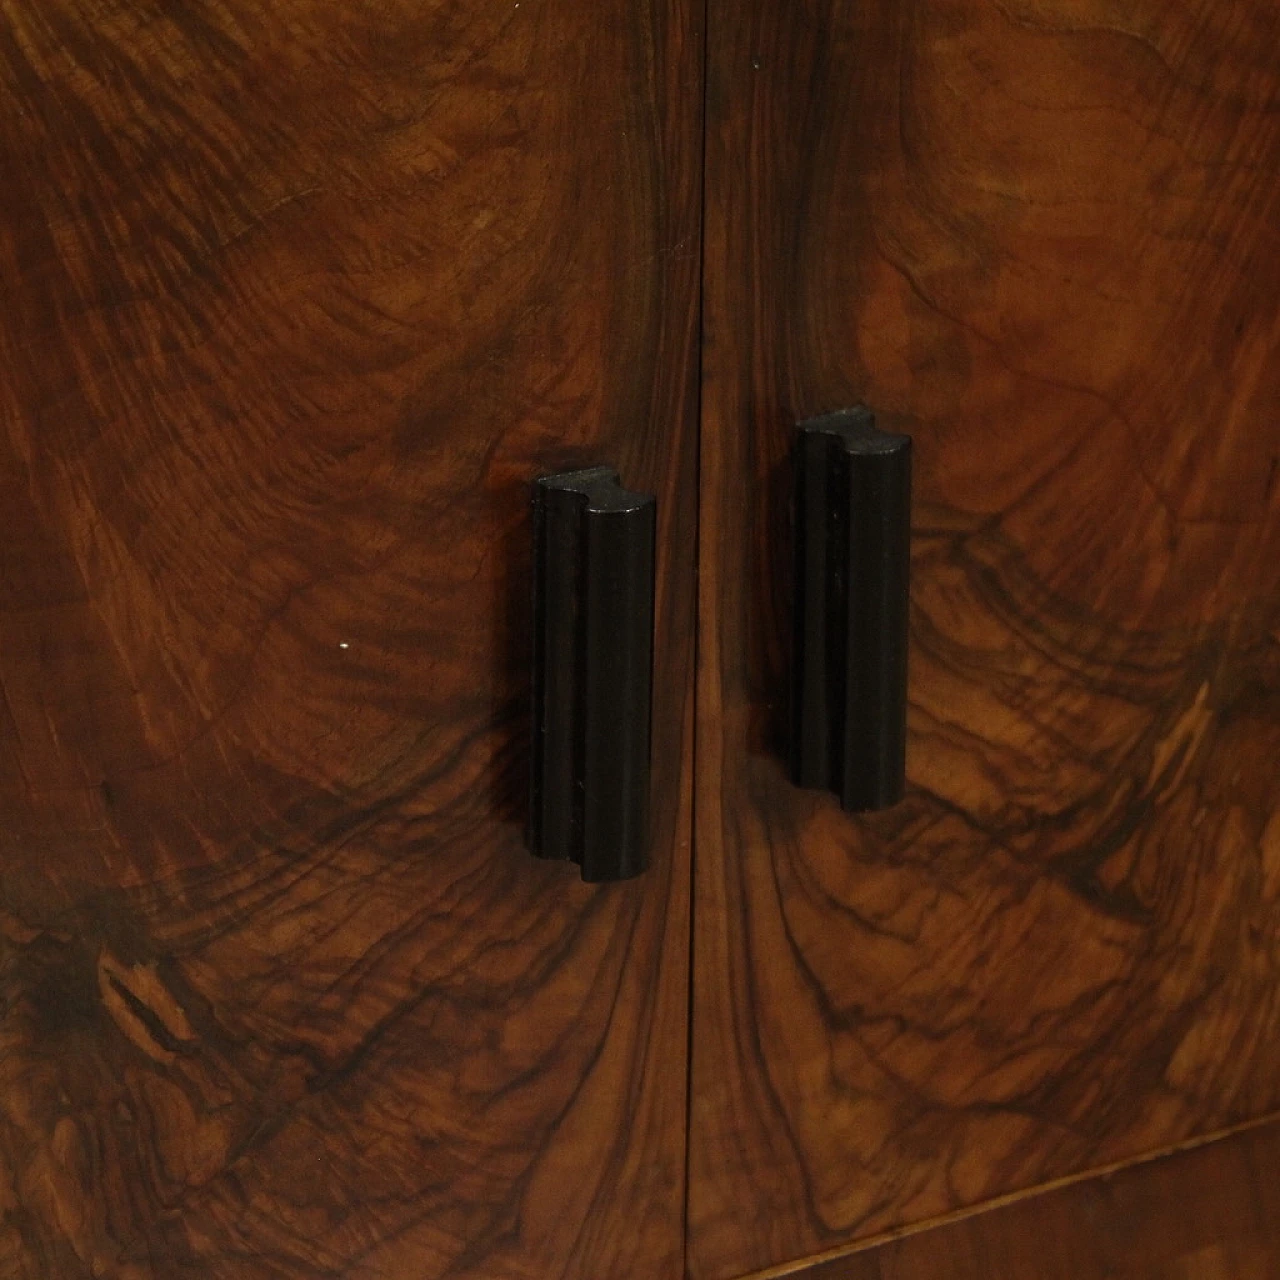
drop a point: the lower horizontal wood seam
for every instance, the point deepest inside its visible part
(801, 1265)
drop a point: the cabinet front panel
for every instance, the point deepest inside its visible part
(297, 298)
(1042, 237)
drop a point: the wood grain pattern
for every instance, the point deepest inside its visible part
(297, 298)
(1043, 237)
(1208, 1214)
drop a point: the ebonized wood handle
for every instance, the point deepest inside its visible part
(592, 672)
(852, 530)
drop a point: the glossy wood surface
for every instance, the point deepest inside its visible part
(1208, 1214)
(298, 297)
(1043, 237)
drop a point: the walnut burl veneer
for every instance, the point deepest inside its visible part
(297, 299)
(1043, 238)
(1208, 1214)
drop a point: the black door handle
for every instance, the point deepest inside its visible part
(592, 672)
(852, 531)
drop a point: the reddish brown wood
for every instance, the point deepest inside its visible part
(1044, 238)
(1208, 1214)
(297, 298)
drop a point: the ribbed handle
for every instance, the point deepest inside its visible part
(592, 672)
(852, 529)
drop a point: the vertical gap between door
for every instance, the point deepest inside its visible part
(697, 630)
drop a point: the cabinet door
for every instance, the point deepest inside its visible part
(298, 297)
(1043, 237)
